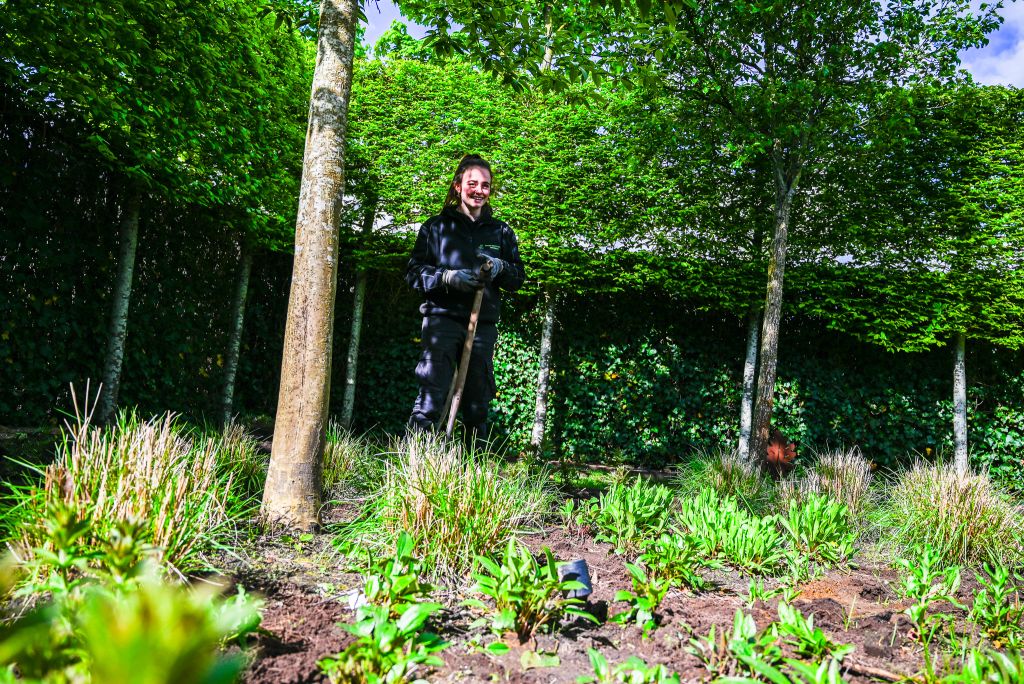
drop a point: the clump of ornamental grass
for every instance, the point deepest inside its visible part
(962, 516)
(730, 475)
(843, 476)
(457, 503)
(152, 472)
(241, 458)
(351, 464)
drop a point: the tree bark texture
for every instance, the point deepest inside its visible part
(540, 414)
(235, 341)
(118, 329)
(960, 405)
(291, 496)
(768, 353)
(352, 360)
(749, 369)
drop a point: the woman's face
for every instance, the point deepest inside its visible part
(474, 191)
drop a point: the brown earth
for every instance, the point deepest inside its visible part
(302, 583)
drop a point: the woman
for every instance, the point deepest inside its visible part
(445, 268)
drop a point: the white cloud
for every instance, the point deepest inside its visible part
(1001, 62)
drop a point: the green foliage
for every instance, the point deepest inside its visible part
(997, 608)
(722, 530)
(963, 517)
(926, 585)
(633, 670)
(528, 596)
(457, 505)
(350, 462)
(394, 582)
(674, 558)
(386, 650)
(648, 592)
(729, 474)
(820, 527)
(626, 515)
(806, 639)
(107, 475)
(108, 616)
(989, 667)
(744, 650)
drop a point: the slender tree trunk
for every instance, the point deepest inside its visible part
(768, 354)
(749, 368)
(292, 492)
(960, 405)
(352, 360)
(540, 414)
(118, 330)
(235, 342)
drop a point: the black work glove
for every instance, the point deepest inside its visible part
(462, 280)
(497, 266)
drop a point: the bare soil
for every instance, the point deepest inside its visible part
(303, 585)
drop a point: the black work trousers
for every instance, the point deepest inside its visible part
(443, 339)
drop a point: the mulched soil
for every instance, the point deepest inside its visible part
(303, 585)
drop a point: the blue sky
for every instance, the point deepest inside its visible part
(1000, 62)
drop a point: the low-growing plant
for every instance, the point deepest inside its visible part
(628, 514)
(730, 475)
(721, 530)
(989, 667)
(806, 639)
(578, 516)
(997, 608)
(634, 670)
(240, 457)
(820, 528)
(350, 463)
(743, 651)
(926, 585)
(152, 472)
(962, 516)
(757, 591)
(648, 593)
(394, 583)
(843, 476)
(386, 650)
(464, 502)
(528, 596)
(673, 557)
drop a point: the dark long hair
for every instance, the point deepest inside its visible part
(468, 162)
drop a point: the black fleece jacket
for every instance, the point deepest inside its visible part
(451, 241)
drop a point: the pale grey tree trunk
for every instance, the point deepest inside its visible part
(749, 369)
(785, 189)
(540, 414)
(118, 328)
(235, 341)
(352, 359)
(960, 405)
(292, 493)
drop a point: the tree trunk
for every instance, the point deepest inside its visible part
(749, 368)
(235, 342)
(118, 330)
(540, 414)
(352, 361)
(960, 405)
(768, 354)
(292, 493)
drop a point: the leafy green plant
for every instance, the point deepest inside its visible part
(820, 528)
(721, 530)
(673, 557)
(806, 639)
(464, 503)
(528, 596)
(394, 583)
(648, 592)
(962, 516)
(745, 650)
(386, 650)
(925, 584)
(989, 667)
(757, 591)
(634, 670)
(843, 476)
(627, 514)
(730, 475)
(997, 608)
